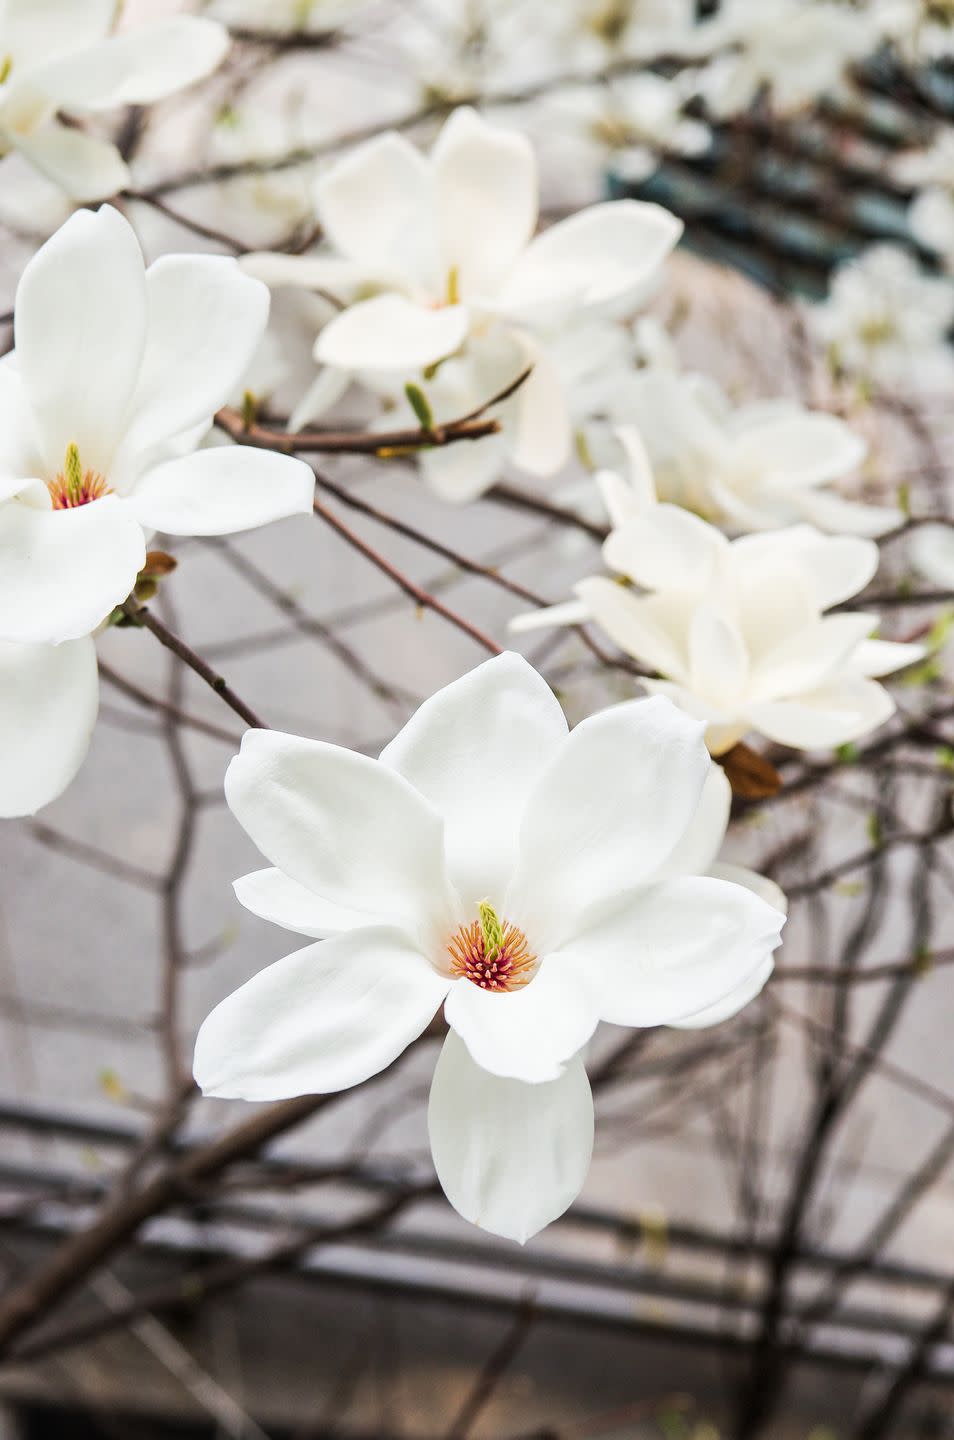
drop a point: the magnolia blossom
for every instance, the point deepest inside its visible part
(931, 215)
(529, 880)
(629, 122)
(932, 554)
(596, 31)
(922, 29)
(455, 49)
(57, 56)
(797, 49)
(756, 467)
(444, 248)
(887, 321)
(737, 628)
(116, 376)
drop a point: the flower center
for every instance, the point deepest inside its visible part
(491, 953)
(75, 486)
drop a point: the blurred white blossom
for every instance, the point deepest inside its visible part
(886, 321)
(737, 628)
(796, 49)
(283, 16)
(922, 29)
(932, 554)
(931, 215)
(755, 467)
(58, 57)
(627, 124)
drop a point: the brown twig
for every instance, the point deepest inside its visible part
(140, 615)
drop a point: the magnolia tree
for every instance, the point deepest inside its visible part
(552, 868)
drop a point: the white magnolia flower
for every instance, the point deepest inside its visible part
(757, 467)
(529, 880)
(58, 56)
(797, 49)
(628, 122)
(931, 214)
(116, 376)
(922, 29)
(887, 321)
(445, 244)
(456, 49)
(738, 628)
(597, 31)
(932, 554)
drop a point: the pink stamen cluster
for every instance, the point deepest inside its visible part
(67, 497)
(510, 969)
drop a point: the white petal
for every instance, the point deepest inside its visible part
(273, 896)
(63, 571)
(831, 715)
(847, 517)
(932, 554)
(571, 612)
(718, 658)
(675, 949)
(801, 449)
(760, 885)
(835, 566)
(321, 1020)
(136, 67)
(485, 192)
(346, 827)
(605, 814)
(222, 491)
(306, 272)
(461, 473)
(205, 320)
(754, 984)
(510, 1157)
(474, 750)
(527, 1034)
(536, 421)
(322, 394)
(84, 166)
(49, 696)
(37, 31)
(666, 548)
(628, 621)
(807, 658)
(392, 333)
(735, 1001)
(884, 657)
(600, 254)
(626, 500)
(80, 332)
(372, 203)
(696, 852)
